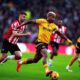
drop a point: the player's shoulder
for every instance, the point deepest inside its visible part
(15, 21)
(42, 19)
(54, 25)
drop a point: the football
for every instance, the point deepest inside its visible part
(54, 75)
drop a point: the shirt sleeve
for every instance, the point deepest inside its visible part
(39, 21)
(55, 28)
(14, 26)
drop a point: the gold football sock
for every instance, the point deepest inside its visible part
(24, 62)
(46, 67)
(72, 61)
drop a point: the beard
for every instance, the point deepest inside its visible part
(22, 20)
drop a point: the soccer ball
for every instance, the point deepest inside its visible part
(54, 75)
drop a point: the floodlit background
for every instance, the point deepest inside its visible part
(67, 10)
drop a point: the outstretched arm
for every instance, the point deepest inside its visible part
(64, 36)
(15, 33)
(37, 21)
(25, 23)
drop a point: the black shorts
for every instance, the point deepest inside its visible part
(55, 47)
(6, 46)
(54, 44)
(78, 48)
(40, 46)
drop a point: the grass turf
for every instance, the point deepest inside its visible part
(37, 72)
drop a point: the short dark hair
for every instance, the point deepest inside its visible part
(22, 12)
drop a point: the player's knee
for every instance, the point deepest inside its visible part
(44, 53)
(3, 56)
(76, 56)
(17, 57)
(35, 61)
(55, 54)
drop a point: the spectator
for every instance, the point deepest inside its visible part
(68, 10)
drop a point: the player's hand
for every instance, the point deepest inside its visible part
(28, 34)
(69, 41)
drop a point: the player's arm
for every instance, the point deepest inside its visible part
(67, 32)
(64, 36)
(15, 33)
(37, 21)
(25, 23)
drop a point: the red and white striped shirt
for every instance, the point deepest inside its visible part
(57, 38)
(9, 36)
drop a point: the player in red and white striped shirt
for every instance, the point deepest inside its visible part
(11, 38)
(56, 40)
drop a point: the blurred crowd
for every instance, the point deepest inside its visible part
(67, 10)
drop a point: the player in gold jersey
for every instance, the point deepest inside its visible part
(46, 27)
(68, 68)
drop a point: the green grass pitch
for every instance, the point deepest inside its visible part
(37, 72)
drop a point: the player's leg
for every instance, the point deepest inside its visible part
(8, 58)
(78, 51)
(36, 58)
(44, 54)
(54, 52)
(38, 55)
(2, 57)
(43, 49)
(79, 61)
(74, 58)
(40, 49)
(17, 55)
(15, 51)
(4, 50)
